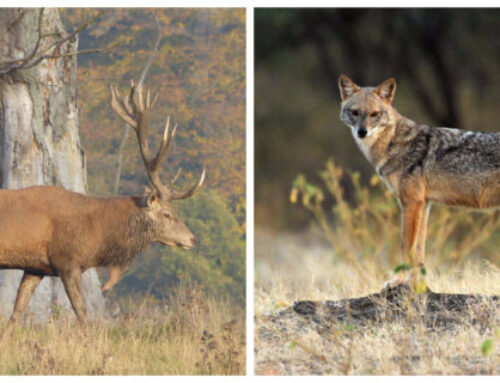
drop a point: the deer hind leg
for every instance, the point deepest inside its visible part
(28, 284)
(72, 280)
(115, 273)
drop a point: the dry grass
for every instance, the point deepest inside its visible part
(193, 335)
(293, 267)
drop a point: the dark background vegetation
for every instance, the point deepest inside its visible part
(446, 63)
(199, 73)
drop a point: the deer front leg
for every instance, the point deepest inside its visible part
(115, 273)
(28, 284)
(72, 280)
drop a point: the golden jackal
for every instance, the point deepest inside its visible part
(420, 164)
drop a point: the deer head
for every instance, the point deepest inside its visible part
(135, 109)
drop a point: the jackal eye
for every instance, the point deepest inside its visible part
(354, 112)
(167, 215)
(375, 114)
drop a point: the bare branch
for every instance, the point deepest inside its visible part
(145, 70)
(36, 56)
(77, 53)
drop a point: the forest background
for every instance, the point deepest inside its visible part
(199, 74)
(445, 62)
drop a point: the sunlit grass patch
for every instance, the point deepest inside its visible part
(141, 339)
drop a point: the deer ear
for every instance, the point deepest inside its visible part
(347, 87)
(151, 199)
(386, 90)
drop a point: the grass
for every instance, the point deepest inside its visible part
(350, 250)
(192, 335)
(295, 267)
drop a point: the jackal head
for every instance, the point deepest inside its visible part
(366, 110)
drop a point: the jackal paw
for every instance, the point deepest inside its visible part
(401, 279)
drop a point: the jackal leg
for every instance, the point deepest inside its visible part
(115, 273)
(28, 284)
(411, 220)
(72, 280)
(422, 234)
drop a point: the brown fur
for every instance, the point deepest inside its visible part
(47, 230)
(46, 227)
(420, 164)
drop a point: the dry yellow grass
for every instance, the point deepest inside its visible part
(193, 335)
(293, 267)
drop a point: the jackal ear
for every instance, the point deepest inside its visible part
(347, 87)
(386, 90)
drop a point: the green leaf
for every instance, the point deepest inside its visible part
(349, 327)
(487, 347)
(423, 271)
(292, 345)
(310, 189)
(299, 181)
(402, 267)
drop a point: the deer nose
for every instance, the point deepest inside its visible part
(193, 241)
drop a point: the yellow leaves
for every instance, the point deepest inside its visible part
(421, 287)
(199, 78)
(374, 181)
(294, 194)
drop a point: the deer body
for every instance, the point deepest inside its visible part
(48, 230)
(43, 229)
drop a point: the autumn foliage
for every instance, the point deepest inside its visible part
(199, 73)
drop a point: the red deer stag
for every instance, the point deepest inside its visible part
(47, 230)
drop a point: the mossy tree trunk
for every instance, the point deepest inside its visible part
(39, 135)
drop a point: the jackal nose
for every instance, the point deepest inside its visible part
(362, 132)
(193, 241)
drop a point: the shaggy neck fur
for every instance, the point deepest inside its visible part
(131, 239)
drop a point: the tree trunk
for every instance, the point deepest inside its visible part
(39, 137)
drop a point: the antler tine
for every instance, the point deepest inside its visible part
(155, 98)
(120, 108)
(176, 177)
(128, 102)
(141, 99)
(188, 193)
(165, 145)
(135, 110)
(148, 99)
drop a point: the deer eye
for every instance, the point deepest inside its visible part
(167, 215)
(354, 112)
(375, 114)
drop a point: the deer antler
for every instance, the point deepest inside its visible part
(135, 110)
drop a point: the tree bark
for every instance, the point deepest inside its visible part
(39, 137)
